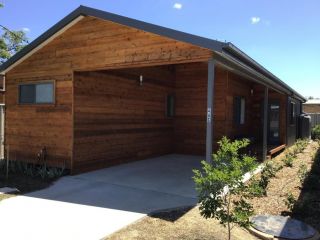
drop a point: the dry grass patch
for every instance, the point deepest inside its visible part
(189, 226)
(5, 196)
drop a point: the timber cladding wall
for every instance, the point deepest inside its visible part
(97, 44)
(88, 45)
(238, 87)
(191, 105)
(117, 120)
(28, 128)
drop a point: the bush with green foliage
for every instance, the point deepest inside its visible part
(290, 201)
(288, 159)
(226, 169)
(315, 133)
(31, 169)
(302, 173)
(300, 145)
(259, 187)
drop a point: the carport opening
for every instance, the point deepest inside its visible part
(123, 115)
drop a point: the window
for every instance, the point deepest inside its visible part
(292, 116)
(36, 93)
(239, 110)
(170, 111)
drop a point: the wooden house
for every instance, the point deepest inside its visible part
(98, 89)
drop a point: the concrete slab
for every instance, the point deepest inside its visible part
(94, 205)
(34, 218)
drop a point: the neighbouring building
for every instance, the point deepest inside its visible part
(312, 106)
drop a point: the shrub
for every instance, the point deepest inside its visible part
(268, 172)
(288, 159)
(258, 188)
(227, 169)
(300, 145)
(302, 173)
(32, 170)
(315, 133)
(290, 201)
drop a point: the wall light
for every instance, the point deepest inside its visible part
(141, 80)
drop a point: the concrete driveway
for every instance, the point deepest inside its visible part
(96, 204)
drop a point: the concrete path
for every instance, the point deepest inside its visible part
(96, 204)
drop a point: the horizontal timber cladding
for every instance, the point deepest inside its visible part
(89, 44)
(118, 120)
(239, 87)
(29, 128)
(191, 105)
(97, 44)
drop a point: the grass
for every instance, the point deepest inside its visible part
(186, 223)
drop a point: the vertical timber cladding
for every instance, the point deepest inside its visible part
(89, 44)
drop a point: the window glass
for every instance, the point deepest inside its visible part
(239, 110)
(243, 110)
(36, 93)
(27, 93)
(292, 113)
(44, 93)
(170, 106)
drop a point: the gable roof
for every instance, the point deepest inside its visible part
(226, 53)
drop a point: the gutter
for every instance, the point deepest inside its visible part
(246, 71)
(229, 48)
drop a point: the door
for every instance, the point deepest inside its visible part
(274, 123)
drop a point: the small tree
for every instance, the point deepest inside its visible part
(226, 204)
(10, 42)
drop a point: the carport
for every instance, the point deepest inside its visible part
(128, 114)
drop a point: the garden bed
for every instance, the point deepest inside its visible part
(290, 192)
(23, 183)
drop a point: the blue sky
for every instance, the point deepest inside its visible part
(282, 35)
